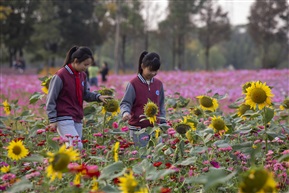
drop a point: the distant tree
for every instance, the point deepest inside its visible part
(17, 26)
(129, 26)
(179, 24)
(216, 27)
(78, 25)
(268, 26)
(240, 50)
(46, 38)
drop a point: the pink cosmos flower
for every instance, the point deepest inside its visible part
(124, 129)
(115, 125)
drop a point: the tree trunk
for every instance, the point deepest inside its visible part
(122, 61)
(117, 33)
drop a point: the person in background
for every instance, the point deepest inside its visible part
(93, 72)
(139, 90)
(67, 90)
(104, 71)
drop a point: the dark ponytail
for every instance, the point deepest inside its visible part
(142, 55)
(79, 53)
(151, 60)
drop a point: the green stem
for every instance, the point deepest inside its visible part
(104, 119)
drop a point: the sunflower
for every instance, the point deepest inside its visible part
(245, 86)
(16, 150)
(151, 110)
(45, 84)
(196, 111)
(7, 107)
(218, 125)
(127, 183)
(5, 169)
(142, 190)
(111, 106)
(106, 91)
(285, 104)
(182, 128)
(243, 108)
(207, 103)
(158, 131)
(59, 161)
(115, 151)
(258, 94)
(257, 180)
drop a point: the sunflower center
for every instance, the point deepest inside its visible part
(111, 106)
(17, 150)
(151, 110)
(218, 124)
(182, 128)
(206, 101)
(258, 95)
(60, 161)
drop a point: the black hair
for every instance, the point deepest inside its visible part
(80, 53)
(151, 60)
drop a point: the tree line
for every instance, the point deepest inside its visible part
(195, 35)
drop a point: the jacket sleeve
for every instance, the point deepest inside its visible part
(162, 105)
(128, 99)
(90, 96)
(55, 87)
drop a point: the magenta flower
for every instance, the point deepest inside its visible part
(215, 164)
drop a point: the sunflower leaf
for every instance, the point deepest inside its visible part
(109, 171)
(268, 115)
(20, 186)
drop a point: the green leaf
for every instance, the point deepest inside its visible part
(20, 186)
(35, 97)
(34, 158)
(110, 171)
(188, 161)
(159, 174)
(110, 189)
(53, 144)
(212, 178)
(88, 110)
(268, 115)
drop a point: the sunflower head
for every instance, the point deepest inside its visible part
(245, 86)
(5, 169)
(218, 125)
(111, 105)
(182, 128)
(257, 180)
(7, 107)
(208, 103)
(243, 108)
(151, 111)
(128, 183)
(16, 150)
(197, 111)
(106, 91)
(285, 104)
(258, 95)
(60, 160)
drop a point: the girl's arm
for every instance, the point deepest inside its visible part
(127, 100)
(162, 105)
(90, 96)
(55, 87)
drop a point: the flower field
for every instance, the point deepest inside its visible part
(226, 131)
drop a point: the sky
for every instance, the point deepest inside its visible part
(238, 10)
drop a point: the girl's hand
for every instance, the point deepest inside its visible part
(126, 116)
(104, 97)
